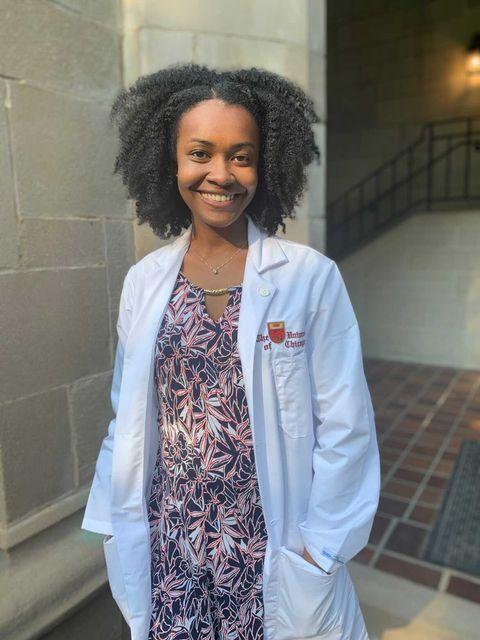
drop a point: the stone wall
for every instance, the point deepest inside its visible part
(416, 290)
(66, 242)
(67, 239)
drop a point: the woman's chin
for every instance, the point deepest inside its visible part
(217, 218)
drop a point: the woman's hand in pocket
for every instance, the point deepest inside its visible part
(308, 558)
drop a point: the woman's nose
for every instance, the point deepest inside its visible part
(220, 173)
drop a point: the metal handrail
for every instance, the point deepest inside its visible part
(410, 187)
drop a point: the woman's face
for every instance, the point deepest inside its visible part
(217, 155)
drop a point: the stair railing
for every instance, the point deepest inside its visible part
(440, 170)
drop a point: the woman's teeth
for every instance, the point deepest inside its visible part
(216, 197)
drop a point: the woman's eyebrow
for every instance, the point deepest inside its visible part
(211, 144)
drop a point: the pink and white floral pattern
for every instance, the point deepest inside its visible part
(208, 533)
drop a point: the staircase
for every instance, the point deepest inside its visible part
(438, 171)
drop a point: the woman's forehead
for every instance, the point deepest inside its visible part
(214, 119)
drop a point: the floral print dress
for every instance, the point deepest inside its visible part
(207, 526)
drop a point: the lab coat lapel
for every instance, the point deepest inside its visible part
(136, 438)
(257, 294)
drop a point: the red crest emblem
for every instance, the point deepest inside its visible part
(276, 331)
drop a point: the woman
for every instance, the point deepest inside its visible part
(241, 470)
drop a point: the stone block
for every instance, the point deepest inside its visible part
(113, 317)
(317, 88)
(159, 48)
(130, 56)
(57, 323)
(120, 250)
(91, 412)
(439, 347)
(235, 51)
(408, 43)
(146, 241)
(374, 140)
(396, 88)
(265, 20)
(46, 46)
(317, 234)
(8, 230)
(61, 243)
(120, 254)
(3, 505)
(427, 261)
(440, 11)
(468, 231)
(62, 141)
(396, 111)
(317, 26)
(108, 12)
(54, 574)
(86, 473)
(316, 194)
(420, 299)
(99, 619)
(36, 451)
(296, 228)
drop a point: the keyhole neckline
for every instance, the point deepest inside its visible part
(201, 293)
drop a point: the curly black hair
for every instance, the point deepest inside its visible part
(147, 115)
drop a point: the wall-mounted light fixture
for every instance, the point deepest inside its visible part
(473, 56)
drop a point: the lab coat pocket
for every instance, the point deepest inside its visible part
(115, 576)
(307, 600)
(292, 385)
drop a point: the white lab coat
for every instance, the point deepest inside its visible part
(312, 421)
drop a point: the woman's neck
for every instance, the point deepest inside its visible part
(214, 241)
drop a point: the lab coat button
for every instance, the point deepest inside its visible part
(263, 291)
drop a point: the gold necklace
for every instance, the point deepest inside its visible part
(215, 270)
(218, 292)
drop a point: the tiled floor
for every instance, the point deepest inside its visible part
(423, 413)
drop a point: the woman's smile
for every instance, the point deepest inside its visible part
(220, 201)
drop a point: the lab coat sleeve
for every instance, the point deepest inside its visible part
(97, 512)
(346, 465)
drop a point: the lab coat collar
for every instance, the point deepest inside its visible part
(264, 251)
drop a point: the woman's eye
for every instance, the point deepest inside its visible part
(203, 155)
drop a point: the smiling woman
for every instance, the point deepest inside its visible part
(230, 455)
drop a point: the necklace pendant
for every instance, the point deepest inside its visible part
(215, 271)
